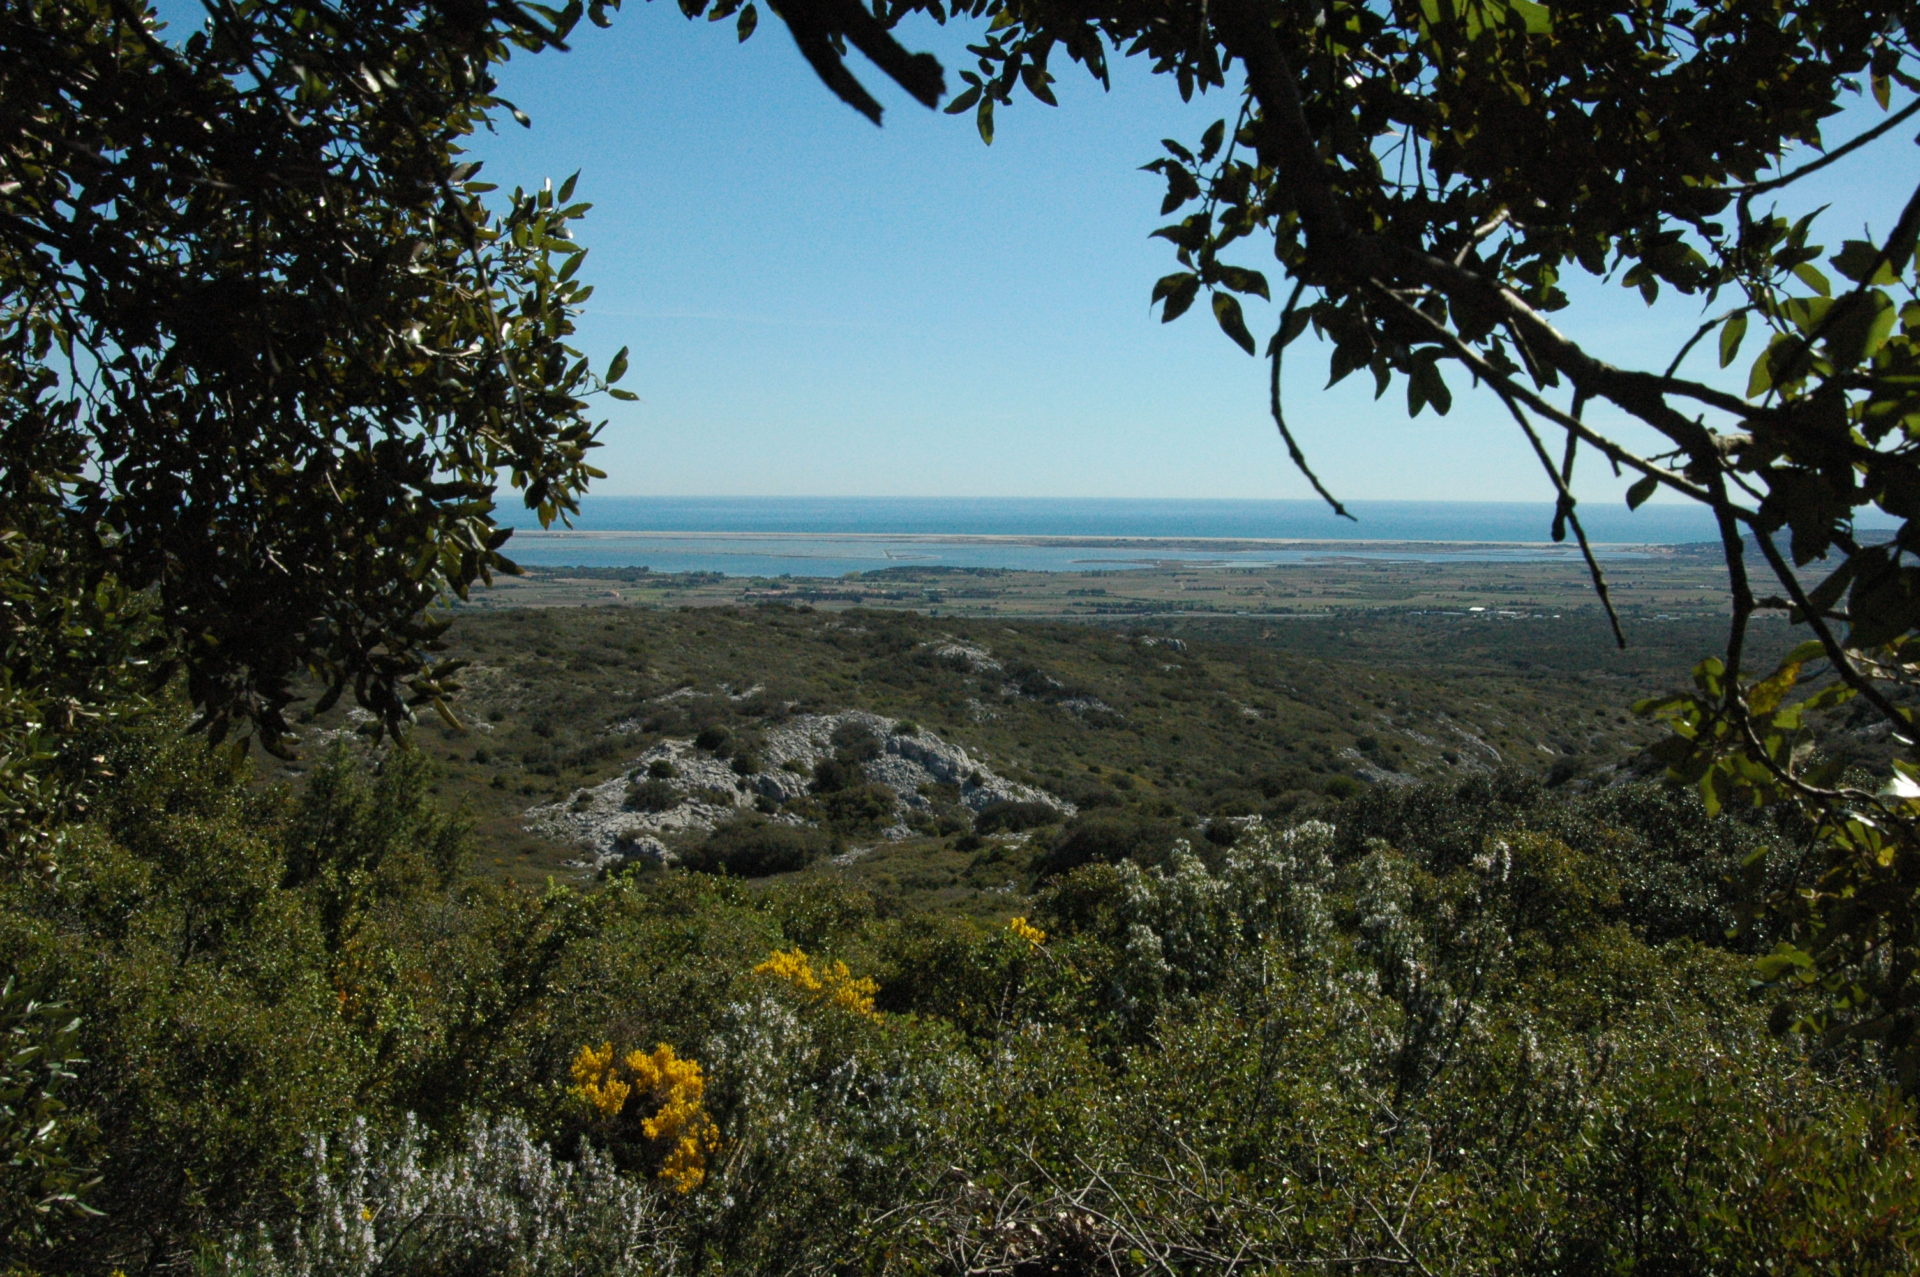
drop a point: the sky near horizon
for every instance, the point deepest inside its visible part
(818, 307)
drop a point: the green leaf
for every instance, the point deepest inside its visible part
(1861, 262)
(1731, 334)
(1713, 790)
(1810, 275)
(1180, 296)
(1210, 140)
(1640, 491)
(1226, 310)
(1765, 696)
(1784, 960)
(1806, 313)
(1537, 18)
(1292, 326)
(748, 21)
(1760, 380)
(1165, 285)
(1710, 675)
(1037, 81)
(983, 120)
(1425, 386)
(1242, 280)
(1856, 326)
(1824, 595)
(618, 368)
(963, 100)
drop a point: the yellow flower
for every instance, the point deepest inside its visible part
(678, 1088)
(831, 982)
(595, 1083)
(681, 1122)
(1027, 931)
(794, 967)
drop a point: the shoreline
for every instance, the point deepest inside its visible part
(1068, 541)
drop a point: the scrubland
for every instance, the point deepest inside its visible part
(1367, 944)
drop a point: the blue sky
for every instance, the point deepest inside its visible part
(819, 307)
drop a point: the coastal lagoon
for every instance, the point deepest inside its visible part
(774, 554)
(829, 537)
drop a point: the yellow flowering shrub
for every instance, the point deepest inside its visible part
(596, 1083)
(1027, 931)
(829, 982)
(680, 1123)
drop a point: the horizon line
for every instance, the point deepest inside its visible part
(1545, 500)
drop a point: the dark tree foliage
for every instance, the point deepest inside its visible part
(267, 342)
(1426, 173)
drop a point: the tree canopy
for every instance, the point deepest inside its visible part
(269, 339)
(1425, 175)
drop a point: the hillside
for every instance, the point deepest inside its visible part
(1201, 720)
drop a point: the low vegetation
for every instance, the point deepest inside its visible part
(580, 710)
(1467, 1025)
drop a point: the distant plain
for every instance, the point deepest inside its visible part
(1293, 687)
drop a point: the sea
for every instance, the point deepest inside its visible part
(834, 536)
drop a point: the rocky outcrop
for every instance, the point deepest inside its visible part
(693, 790)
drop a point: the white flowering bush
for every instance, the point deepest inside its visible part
(497, 1201)
(829, 1112)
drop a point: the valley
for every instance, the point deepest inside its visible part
(616, 717)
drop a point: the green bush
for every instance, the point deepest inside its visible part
(1341, 788)
(1009, 816)
(1108, 837)
(855, 742)
(653, 796)
(859, 809)
(754, 848)
(830, 775)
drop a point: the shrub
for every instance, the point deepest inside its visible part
(1343, 787)
(828, 983)
(1011, 816)
(653, 795)
(40, 1181)
(662, 769)
(679, 1132)
(497, 1201)
(858, 808)
(831, 775)
(1221, 833)
(855, 743)
(1109, 837)
(754, 848)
